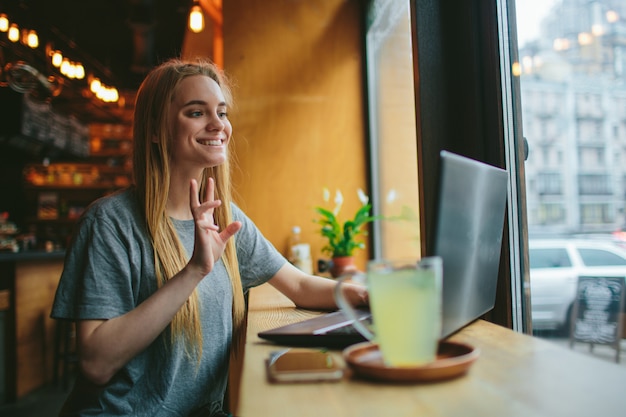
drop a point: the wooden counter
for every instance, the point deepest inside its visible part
(515, 375)
(28, 283)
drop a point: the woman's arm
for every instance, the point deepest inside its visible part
(105, 346)
(313, 292)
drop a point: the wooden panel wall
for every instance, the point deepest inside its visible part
(299, 121)
(35, 286)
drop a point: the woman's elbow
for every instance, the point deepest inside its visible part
(98, 374)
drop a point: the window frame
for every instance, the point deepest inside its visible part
(464, 52)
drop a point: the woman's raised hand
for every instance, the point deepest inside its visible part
(209, 242)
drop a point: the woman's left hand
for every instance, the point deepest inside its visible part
(209, 241)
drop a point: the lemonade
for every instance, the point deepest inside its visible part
(406, 306)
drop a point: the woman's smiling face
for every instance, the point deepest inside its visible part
(199, 122)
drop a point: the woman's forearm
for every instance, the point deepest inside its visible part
(105, 346)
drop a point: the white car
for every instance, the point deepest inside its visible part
(555, 265)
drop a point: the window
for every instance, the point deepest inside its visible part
(549, 258)
(595, 214)
(589, 79)
(594, 184)
(439, 77)
(393, 141)
(549, 183)
(599, 257)
(551, 213)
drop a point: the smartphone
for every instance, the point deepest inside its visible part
(302, 365)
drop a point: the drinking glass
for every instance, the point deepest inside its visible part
(405, 301)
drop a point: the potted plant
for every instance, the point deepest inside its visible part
(342, 237)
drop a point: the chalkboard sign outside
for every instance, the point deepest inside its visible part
(596, 314)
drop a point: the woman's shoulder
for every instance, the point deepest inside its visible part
(237, 212)
(120, 205)
(239, 215)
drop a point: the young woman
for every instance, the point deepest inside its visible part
(156, 274)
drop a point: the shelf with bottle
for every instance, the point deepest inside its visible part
(75, 175)
(8, 234)
(56, 194)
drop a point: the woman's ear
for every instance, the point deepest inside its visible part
(155, 139)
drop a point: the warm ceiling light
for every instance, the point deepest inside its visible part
(71, 70)
(65, 67)
(95, 85)
(57, 58)
(4, 22)
(80, 71)
(14, 33)
(196, 19)
(108, 94)
(32, 40)
(113, 95)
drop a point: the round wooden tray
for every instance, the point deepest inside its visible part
(453, 360)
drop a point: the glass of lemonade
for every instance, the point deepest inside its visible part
(405, 301)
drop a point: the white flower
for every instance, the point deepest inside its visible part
(338, 202)
(362, 197)
(326, 194)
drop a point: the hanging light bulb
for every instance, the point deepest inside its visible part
(80, 71)
(14, 33)
(4, 22)
(71, 70)
(32, 40)
(196, 19)
(65, 67)
(95, 85)
(57, 58)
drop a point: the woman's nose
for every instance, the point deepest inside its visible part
(215, 123)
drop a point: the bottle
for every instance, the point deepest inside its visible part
(299, 253)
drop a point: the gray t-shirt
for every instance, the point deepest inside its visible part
(109, 270)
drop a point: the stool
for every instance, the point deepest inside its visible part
(64, 351)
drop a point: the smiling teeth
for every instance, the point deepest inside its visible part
(210, 142)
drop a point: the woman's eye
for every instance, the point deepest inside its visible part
(222, 114)
(196, 113)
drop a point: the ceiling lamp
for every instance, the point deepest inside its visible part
(4, 22)
(103, 92)
(196, 18)
(14, 33)
(57, 59)
(32, 39)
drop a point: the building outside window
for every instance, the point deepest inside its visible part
(573, 99)
(573, 87)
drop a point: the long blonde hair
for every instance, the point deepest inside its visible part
(151, 171)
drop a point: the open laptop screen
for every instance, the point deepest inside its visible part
(470, 221)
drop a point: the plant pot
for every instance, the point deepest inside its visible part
(343, 265)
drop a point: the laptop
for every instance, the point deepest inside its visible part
(468, 237)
